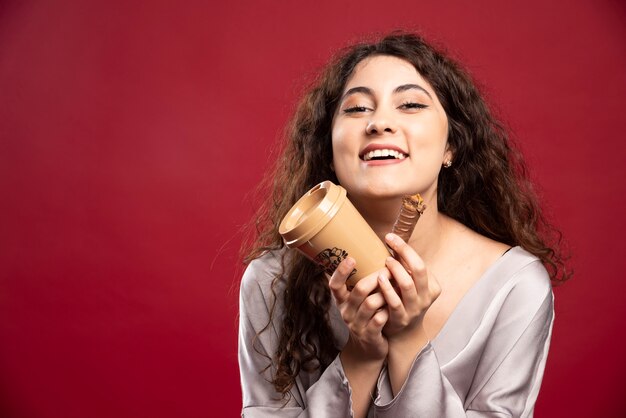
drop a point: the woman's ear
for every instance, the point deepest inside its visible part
(448, 157)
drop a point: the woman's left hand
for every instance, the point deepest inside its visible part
(417, 289)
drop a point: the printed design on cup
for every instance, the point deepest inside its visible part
(330, 259)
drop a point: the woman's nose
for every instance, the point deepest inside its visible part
(380, 124)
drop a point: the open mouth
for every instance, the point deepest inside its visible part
(383, 154)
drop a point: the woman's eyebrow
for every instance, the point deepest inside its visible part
(399, 89)
(406, 87)
(359, 89)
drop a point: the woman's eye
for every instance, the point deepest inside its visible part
(412, 105)
(355, 109)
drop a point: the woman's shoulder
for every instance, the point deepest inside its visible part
(517, 275)
(502, 262)
(515, 288)
(527, 271)
(258, 294)
(261, 272)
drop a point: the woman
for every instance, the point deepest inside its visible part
(466, 329)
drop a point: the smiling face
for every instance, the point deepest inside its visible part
(389, 133)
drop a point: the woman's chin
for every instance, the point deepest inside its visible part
(380, 195)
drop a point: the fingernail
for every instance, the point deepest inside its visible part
(350, 262)
(388, 260)
(382, 279)
(392, 238)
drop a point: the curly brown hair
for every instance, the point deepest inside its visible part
(487, 190)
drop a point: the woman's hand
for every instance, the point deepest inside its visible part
(363, 355)
(415, 290)
(362, 311)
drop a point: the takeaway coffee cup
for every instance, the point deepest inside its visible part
(326, 227)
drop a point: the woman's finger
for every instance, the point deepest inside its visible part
(337, 282)
(350, 303)
(368, 309)
(362, 289)
(409, 257)
(405, 284)
(394, 303)
(378, 322)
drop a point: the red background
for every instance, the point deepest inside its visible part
(131, 134)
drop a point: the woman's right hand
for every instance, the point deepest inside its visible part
(362, 311)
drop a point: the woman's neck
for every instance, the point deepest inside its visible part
(429, 232)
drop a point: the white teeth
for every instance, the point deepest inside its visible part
(384, 153)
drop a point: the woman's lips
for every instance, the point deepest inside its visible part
(382, 152)
(383, 162)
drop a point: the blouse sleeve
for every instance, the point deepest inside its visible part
(329, 396)
(511, 345)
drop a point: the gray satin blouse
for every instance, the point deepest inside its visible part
(487, 360)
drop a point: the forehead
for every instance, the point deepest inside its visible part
(381, 70)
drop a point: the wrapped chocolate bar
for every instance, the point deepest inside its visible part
(410, 212)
